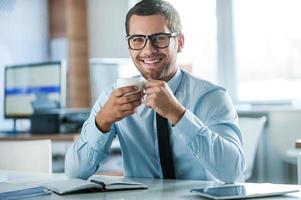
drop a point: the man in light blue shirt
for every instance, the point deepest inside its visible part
(205, 140)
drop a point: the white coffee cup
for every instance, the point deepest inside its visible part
(137, 81)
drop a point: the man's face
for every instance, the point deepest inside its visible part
(153, 62)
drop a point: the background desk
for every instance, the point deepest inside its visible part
(295, 154)
(298, 144)
(53, 137)
(158, 189)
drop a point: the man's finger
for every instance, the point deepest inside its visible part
(151, 90)
(129, 112)
(124, 90)
(131, 106)
(152, 83)
(130, 98)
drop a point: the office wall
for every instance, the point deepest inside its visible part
(23, 36)
(106, 28)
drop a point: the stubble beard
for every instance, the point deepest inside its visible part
(162, 76)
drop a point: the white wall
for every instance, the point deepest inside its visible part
(23, 36)
(107, 29)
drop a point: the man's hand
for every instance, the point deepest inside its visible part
(162, 100)
(118, 106)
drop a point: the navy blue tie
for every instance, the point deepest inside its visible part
(164, 148)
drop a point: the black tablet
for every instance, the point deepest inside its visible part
(245, 190)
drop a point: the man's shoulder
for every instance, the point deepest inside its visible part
(198, 84)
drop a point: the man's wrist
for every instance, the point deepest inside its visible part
(177, 115)
(103, 126)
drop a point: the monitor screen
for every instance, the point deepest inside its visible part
(33, 87)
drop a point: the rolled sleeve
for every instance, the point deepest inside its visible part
(188, 126)
(211, 136)
(95, 138)
(84, 156)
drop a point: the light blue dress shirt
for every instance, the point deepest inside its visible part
(206, 143)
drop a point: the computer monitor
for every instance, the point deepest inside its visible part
(33, 87)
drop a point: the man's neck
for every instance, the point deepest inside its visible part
(171, 75)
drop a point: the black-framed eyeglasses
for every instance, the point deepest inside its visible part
(158, 40)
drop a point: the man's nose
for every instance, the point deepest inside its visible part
(149, 46)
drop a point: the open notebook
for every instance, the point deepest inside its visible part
(95, 183)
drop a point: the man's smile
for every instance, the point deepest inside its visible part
(151, 61)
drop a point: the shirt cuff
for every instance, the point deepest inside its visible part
(188, 126)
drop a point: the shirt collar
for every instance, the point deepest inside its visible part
(174, 82)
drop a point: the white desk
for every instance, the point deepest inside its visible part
(158, 189)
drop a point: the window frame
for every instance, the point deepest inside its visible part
(226, 65)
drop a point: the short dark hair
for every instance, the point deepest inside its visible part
(153, 7)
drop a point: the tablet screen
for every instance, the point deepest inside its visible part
(224, 191)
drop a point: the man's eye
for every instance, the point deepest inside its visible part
(159, 38)
(137, 39)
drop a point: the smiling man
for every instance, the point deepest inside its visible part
(185, 128)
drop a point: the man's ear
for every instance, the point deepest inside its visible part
(181, 41)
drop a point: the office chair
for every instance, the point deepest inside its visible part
(251, 130)
(34, 156)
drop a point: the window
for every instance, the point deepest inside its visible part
(267, 49)
(263, 61)
(199, 28)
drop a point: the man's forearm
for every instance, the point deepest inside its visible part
(85, 154)
(218, 149)
(79, 163)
